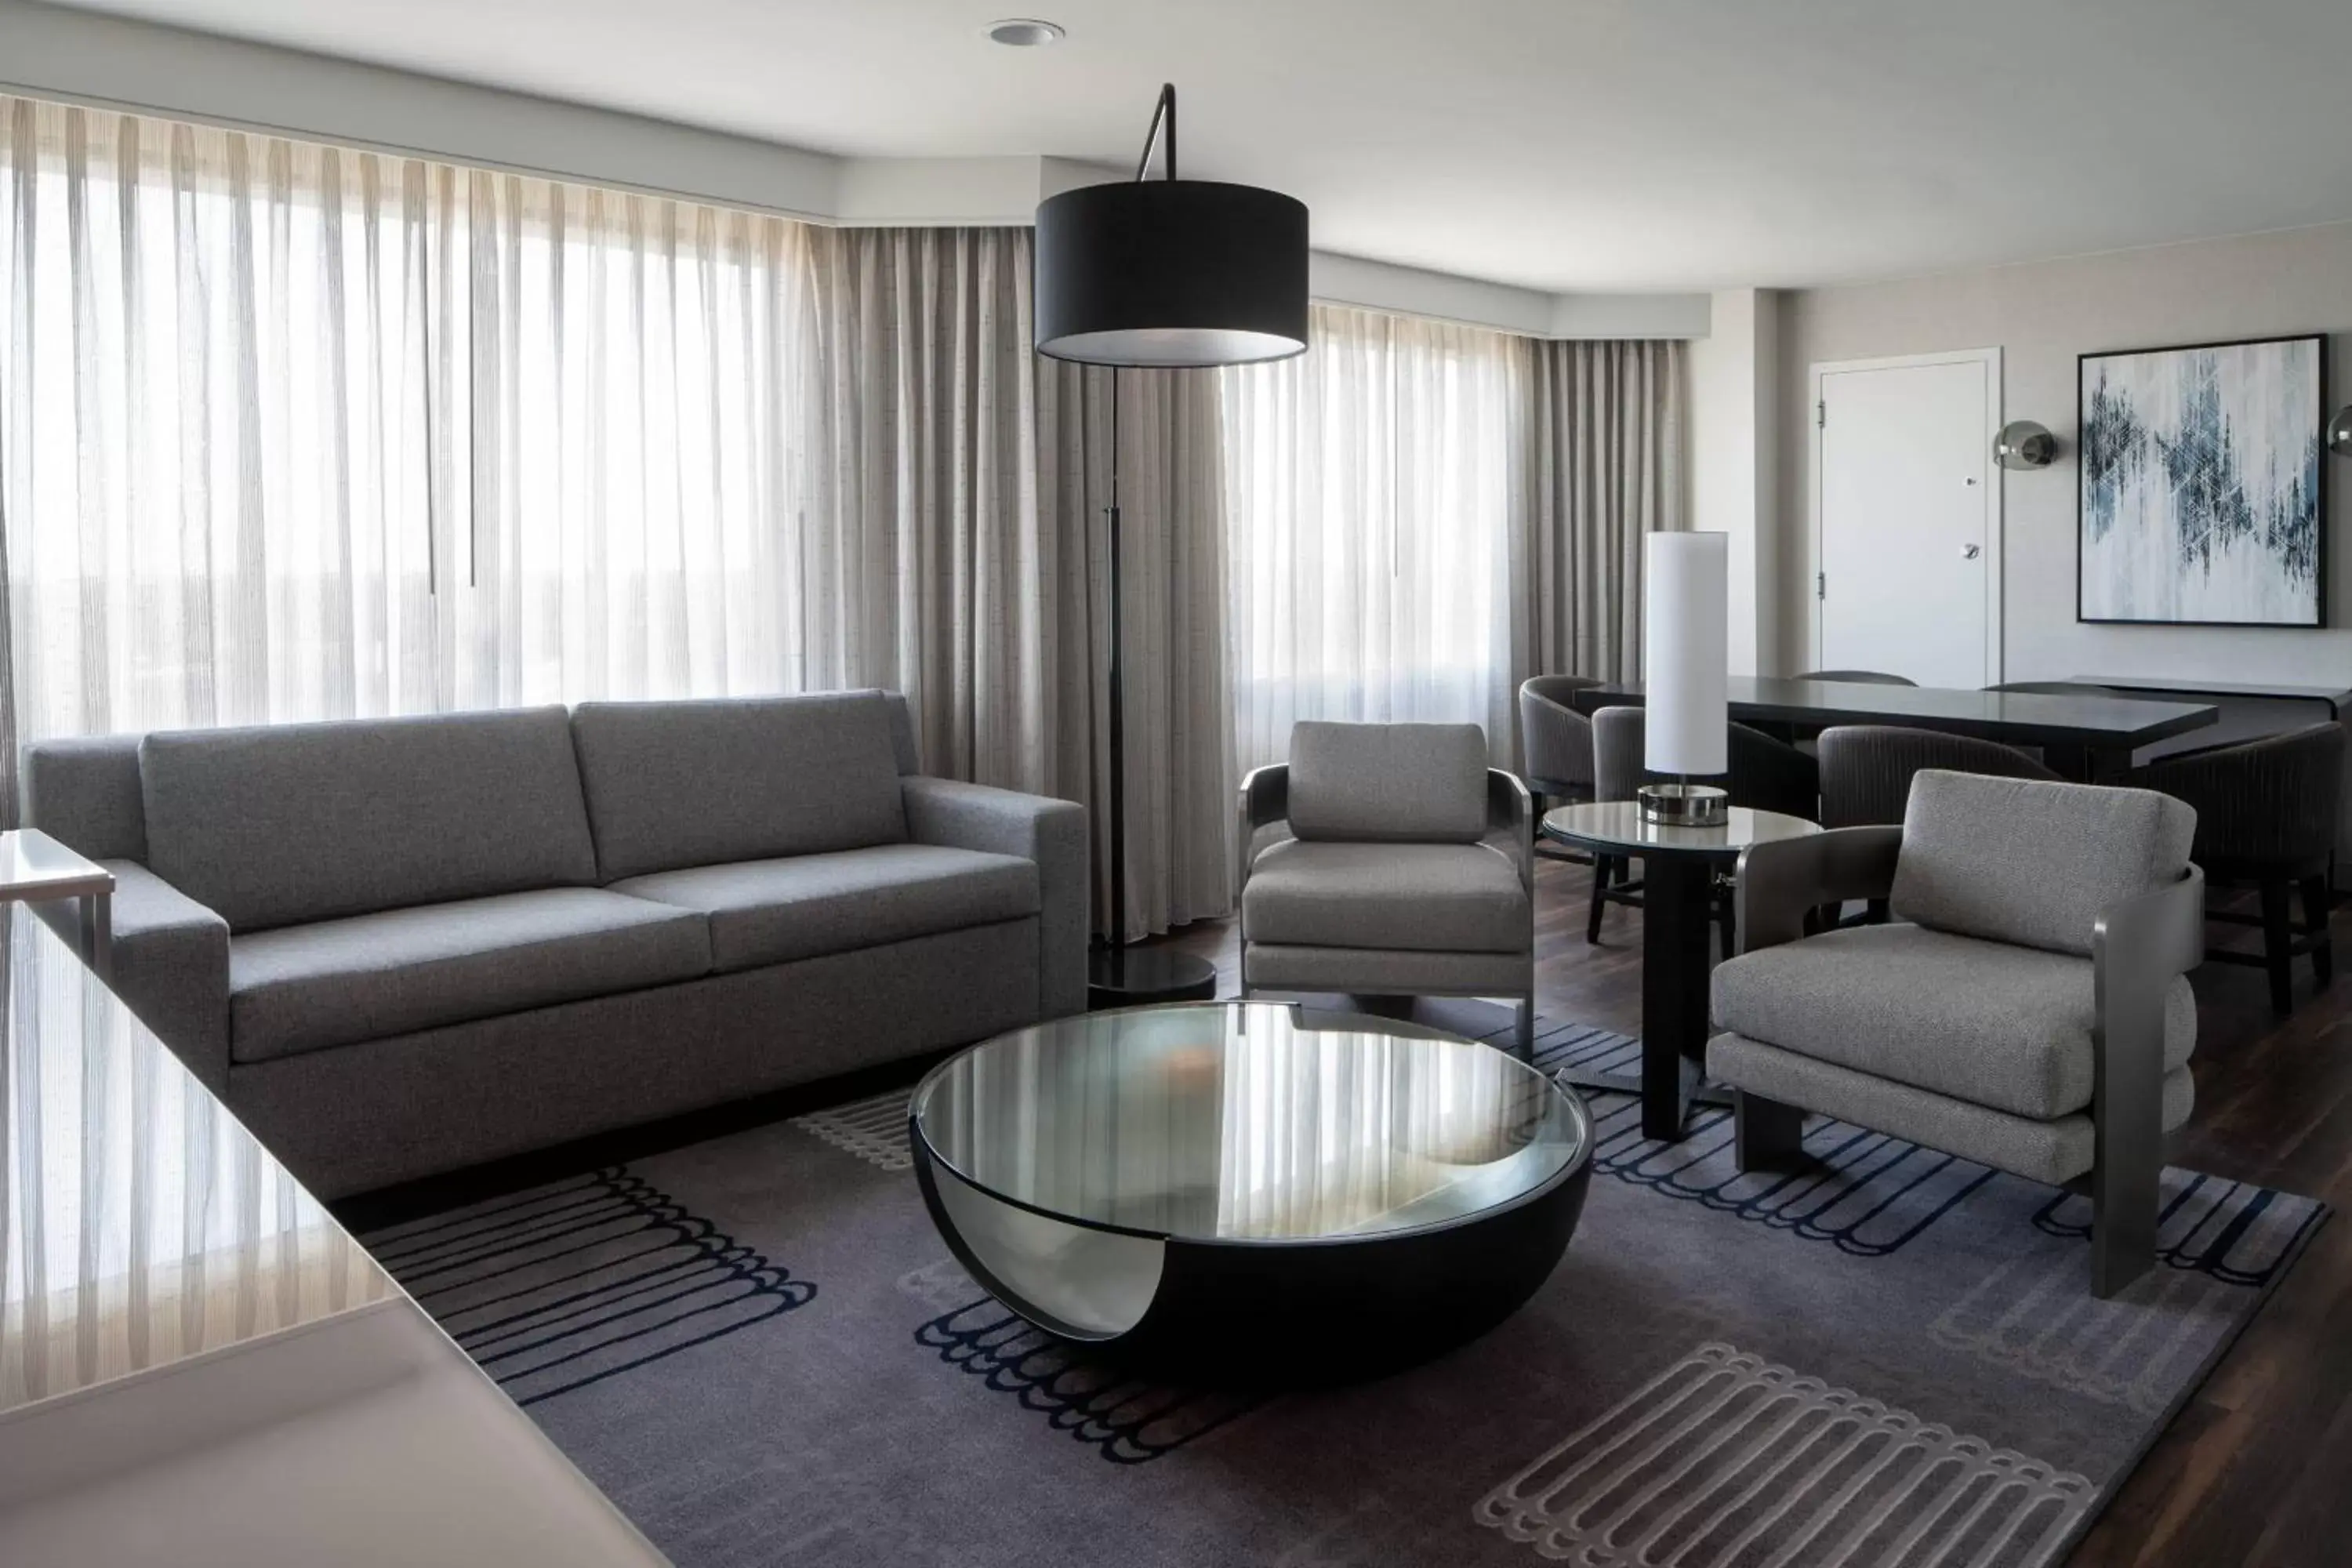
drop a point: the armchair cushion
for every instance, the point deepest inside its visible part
(2002, 1027)
(1427, 898)
(2035, 864)
(1397, 782)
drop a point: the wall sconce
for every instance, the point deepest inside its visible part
(2339, 432)
(2022, 444)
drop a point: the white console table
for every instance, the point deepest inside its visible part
(197, 1364)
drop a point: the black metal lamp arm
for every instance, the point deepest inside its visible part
(1163, 119)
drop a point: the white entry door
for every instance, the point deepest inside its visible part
(1909, 522)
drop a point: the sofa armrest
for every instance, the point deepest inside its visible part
(1782, 880)
(171, 966)
(1053, 833)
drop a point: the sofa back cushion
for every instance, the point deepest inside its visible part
(83, 792)
(1423, 783)
(307, 822)
(702, 784)
(2023, 861)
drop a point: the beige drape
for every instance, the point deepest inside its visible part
(1606, 468)
(962, 482)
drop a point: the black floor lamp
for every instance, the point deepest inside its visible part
(1165, 274)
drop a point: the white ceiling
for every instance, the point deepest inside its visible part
(1560, 144)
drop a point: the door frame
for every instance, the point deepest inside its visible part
(1991, 360)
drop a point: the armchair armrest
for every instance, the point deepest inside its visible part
(1052, 833)
(171, 966)
(1511, 810)
(1781, 880)
(1264, 801)
(2138, 947)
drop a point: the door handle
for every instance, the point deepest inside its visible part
(1968, 552)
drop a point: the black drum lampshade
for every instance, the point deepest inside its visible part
(1172, 272)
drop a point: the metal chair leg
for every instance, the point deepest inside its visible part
(2278, 946)
(2316, 903)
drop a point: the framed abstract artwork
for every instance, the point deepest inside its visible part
(2201, 476)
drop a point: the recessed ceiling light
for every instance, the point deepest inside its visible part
(1023, 33)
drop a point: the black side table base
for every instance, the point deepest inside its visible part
(1142, 976)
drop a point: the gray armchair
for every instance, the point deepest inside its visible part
(2029, 1011)
(1388, 860)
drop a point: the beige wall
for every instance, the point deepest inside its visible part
(1734, 380)
(2041, 316)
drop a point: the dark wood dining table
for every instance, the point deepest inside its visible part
(2088, 736)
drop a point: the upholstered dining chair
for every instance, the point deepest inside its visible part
(1859, 677)
(1765, 774)
(1388, 860)
(2028, 1011)
(1556, 746)
(2266, 818)
(1867, 769)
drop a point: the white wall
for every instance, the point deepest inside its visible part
(1733, 460)
(2042, 316)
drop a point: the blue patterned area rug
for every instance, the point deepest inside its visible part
(759, 1347)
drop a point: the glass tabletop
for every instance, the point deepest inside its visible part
(1620, 825)
(1238, 1121)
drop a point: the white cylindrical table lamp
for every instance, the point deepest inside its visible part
(1685, 665)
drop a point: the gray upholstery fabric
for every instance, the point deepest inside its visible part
(772, 911)
(1399, 783)
(84, 793)
(309, 822)
(902, 735)
(392, 1110)
(1053, 834)
(2007, 1028)
(307, 987)
(1387, 971)
(702, 784)
(2022, 861)
(1618, 737)
(171, 966)
(1444, 898)
(2053, 1151)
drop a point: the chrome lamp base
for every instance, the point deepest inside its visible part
(1683, 804)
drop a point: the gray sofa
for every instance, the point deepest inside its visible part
(397, 947)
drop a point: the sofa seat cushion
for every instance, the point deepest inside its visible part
(1421, 897)
(305, 988)
(2006, 1027)
(773, 912)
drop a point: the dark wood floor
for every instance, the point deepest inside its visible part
(2257, 1470)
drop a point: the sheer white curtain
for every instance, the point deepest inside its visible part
(297, 432)
(1375, 488)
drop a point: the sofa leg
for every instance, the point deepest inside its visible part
(1765, 1132)
(1527, 1029)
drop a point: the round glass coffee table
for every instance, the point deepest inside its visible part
(1246, 1192)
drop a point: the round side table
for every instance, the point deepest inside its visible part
(1679, 867)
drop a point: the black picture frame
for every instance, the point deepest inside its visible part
(2321, 485)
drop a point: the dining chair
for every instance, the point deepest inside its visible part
(1765, 775)
(1556, 747)
(1388, 860)
(2029, 1011)
(2267, 811)
(1867, 769)
(1859, 677)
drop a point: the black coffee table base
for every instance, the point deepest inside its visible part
(1296, 1313)
(1145, 976)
